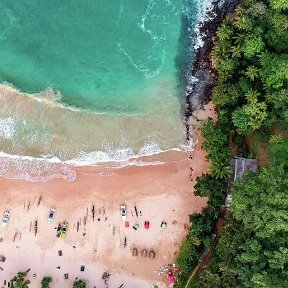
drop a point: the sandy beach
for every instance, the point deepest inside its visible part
(96, 232)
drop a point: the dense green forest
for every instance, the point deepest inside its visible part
(251, 95)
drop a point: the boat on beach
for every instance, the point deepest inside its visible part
(123, 212)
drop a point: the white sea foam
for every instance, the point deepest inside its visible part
(7, 128)
(50, 167)
(34, 169)
(203, 7)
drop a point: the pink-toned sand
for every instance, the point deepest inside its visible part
(159, 192)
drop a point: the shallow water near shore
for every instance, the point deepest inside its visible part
(99, 81)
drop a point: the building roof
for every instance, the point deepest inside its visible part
(241, 165)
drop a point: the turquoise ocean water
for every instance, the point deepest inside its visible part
(99, 78)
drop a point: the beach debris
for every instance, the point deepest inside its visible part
(93, 212)
(60, 253)
(2, 258)
(39, 201)
(28, 270)
(113, 231)
(126, 224)
(124, 243)
(105, 277)
(28, 206)
(146, 224)
(174, 222)
(66, 276)
(58, 267)
(163, 224)
(1, 239)
(34, 276)
(170, 272)
(136, 211)
(15, 235)
(35, 227)
(134, 252)
(152, 254)
(140, 213)
(82, 268)
(123, 285)
(135, 226)
(58, 232)
(78, 225)
(1, 268)
(144, 253)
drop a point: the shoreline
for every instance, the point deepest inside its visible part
(202, 70)
(162, 193)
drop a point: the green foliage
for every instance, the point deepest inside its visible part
(45, 282)
(274, 70)
(251, 94)
(216, 143)
(208, 186)
(253, 46)
(252, 72)
(79, 284)
(251, 54)
(20, 281)
(253, 250)
(279, 4)
(221, 170)
(250, 117)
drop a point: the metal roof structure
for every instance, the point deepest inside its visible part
(241, 165)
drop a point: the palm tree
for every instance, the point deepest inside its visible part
(79, 284)
(239, 38)
(224, 32)
(221, 170)
(252, 95)
(19, 280)
(242, 22)
(236, 51)
(252, 72)
(45, 283)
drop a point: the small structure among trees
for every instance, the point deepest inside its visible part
(240, 166)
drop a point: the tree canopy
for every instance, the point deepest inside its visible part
(20, 281)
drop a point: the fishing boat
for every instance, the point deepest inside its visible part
(123, 212)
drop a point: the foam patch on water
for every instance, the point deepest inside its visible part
(7, 128)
